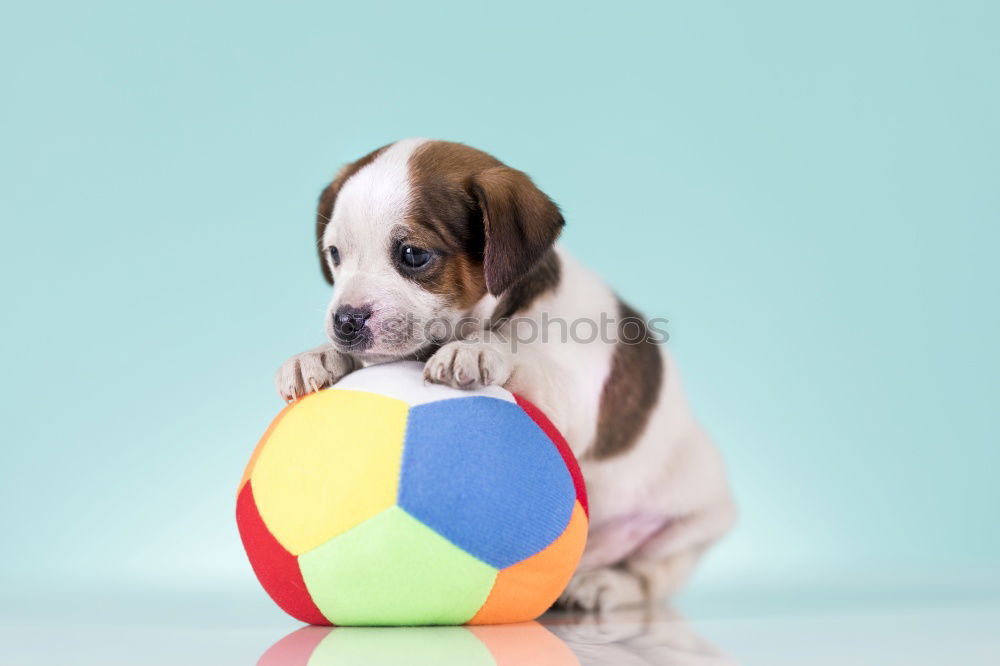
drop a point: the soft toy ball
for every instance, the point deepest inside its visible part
(388, 501)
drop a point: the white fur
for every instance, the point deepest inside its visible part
(658, 506)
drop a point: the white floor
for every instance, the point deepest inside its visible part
(964, 635)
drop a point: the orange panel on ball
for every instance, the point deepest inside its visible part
(260, 445)
(526, 590)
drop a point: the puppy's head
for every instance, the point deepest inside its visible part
(414, 234)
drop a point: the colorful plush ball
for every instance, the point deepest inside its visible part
(388, 501)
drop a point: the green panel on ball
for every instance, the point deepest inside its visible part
(394, 570)
(401, 646)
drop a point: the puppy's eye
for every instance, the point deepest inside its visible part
(334, 255)
(414, 257)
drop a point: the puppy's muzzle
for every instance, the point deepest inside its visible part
(350, 325)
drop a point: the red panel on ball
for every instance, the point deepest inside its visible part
(276, 568)
(574, 468)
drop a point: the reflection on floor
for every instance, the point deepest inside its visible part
(635, 638)
(239, 634)
(565, 640)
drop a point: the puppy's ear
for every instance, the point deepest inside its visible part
(324, 211)
(520, 223)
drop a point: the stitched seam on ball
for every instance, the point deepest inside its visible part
(486, 602)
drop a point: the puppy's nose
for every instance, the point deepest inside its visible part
(349, 321)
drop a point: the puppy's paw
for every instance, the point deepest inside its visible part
(468, 365)
(602, 590)
(311, 371)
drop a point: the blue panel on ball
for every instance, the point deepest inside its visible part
(483, 475)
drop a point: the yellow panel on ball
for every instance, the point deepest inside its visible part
(330, 463)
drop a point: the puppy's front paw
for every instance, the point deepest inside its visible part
(602, 590)
(468, 365)
(311, 371)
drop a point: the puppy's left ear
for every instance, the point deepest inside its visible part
(520, 223)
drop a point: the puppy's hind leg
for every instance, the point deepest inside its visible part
(657, 570)
(603, 589)
(632, 583)
(665, 562)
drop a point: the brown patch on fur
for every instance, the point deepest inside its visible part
(443, 216)
(490, 222)
(327, 199)
(631, 390)
(542, 278)
(453, 273)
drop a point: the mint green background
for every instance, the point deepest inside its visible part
(808, 191)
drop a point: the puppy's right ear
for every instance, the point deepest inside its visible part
(327, 199)
(324, 211)
(520, 224)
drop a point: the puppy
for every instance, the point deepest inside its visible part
(440, 252)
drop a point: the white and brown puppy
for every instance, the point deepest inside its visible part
(437, 251)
